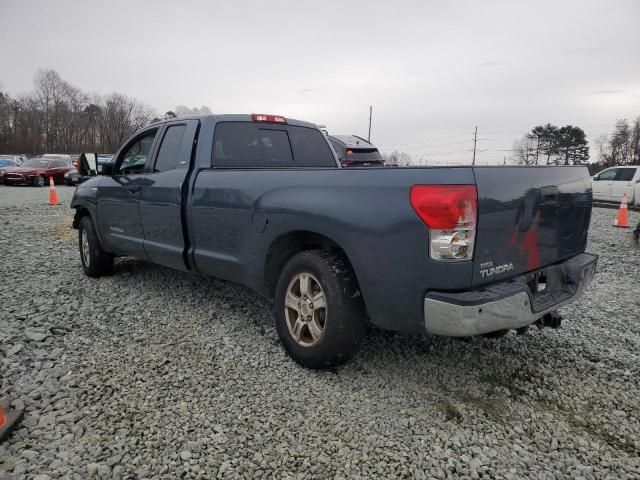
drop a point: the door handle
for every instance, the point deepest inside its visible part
(133, 189)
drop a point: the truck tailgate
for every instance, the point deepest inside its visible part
(528, 218)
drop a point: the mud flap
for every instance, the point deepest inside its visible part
(8, 418)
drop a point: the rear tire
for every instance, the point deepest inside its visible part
(96, 262)
(330, 332)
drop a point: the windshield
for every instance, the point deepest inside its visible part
(36, 163)
(6, 163)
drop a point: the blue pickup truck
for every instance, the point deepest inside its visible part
(262, 200)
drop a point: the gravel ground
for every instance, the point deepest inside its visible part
(152, 373)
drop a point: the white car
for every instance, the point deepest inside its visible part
(611, 184)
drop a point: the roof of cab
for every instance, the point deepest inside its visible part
(234, 117)
(352, 141)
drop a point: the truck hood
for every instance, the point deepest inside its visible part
(528, 218)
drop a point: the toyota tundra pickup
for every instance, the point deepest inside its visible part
(261, 200)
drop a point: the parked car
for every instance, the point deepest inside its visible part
(17, 159)
(611, 184)
(75, 177)
(36, 172)
(72, 177)
(354, 151)
(102, 160)
(5, 163)
(262, 201)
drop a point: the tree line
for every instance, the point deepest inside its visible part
(552, 145)
(56, 117)
(622, 147)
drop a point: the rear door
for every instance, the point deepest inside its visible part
(227, 217)
(624, 182)
(57, 169)
(161, 195)
(119, 197)
(529, 217)
(603, 184)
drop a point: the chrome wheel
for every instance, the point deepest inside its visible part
(84, 247)
(305, 309)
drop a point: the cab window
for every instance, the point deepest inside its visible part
(608, 174)
(169, 153)
(249, 145)
(135, 157)
(625, 174)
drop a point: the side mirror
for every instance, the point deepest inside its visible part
(88, 164)
(595, 178)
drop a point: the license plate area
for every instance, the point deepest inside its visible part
(537, 282)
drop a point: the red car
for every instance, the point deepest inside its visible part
(36, 172)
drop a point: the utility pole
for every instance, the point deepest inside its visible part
(475, 140)
(370, 115)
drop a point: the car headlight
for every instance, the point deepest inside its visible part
(66, 175)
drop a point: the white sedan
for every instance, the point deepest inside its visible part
(611, 184)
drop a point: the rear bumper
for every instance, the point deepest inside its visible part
(510, 304)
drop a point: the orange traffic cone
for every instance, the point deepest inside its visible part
(8, 418)
(53, 196)
(622, 220)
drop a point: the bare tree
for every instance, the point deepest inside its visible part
(525, 151)
(121, 117)
(622, 147)
(182, 111)
(58, 117)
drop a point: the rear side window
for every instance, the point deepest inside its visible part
(310, 148)
(168, 156)
(625, 174)
(59, 164)
(253, 145)
(337, 146)
(248, 145)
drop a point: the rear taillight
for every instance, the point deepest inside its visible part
(450, 212)
(345, 162)
(260, 117)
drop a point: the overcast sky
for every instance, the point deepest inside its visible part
(431, 70)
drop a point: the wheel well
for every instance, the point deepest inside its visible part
(80, 212)
(286, 246)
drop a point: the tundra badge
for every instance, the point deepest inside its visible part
(488, 270)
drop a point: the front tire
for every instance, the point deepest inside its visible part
(38, 181)
(319, 313)
(96, 262)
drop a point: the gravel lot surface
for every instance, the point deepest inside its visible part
(152, 373)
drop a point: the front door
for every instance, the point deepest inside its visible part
(119, 197)
(162, 193)
(603, 184)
